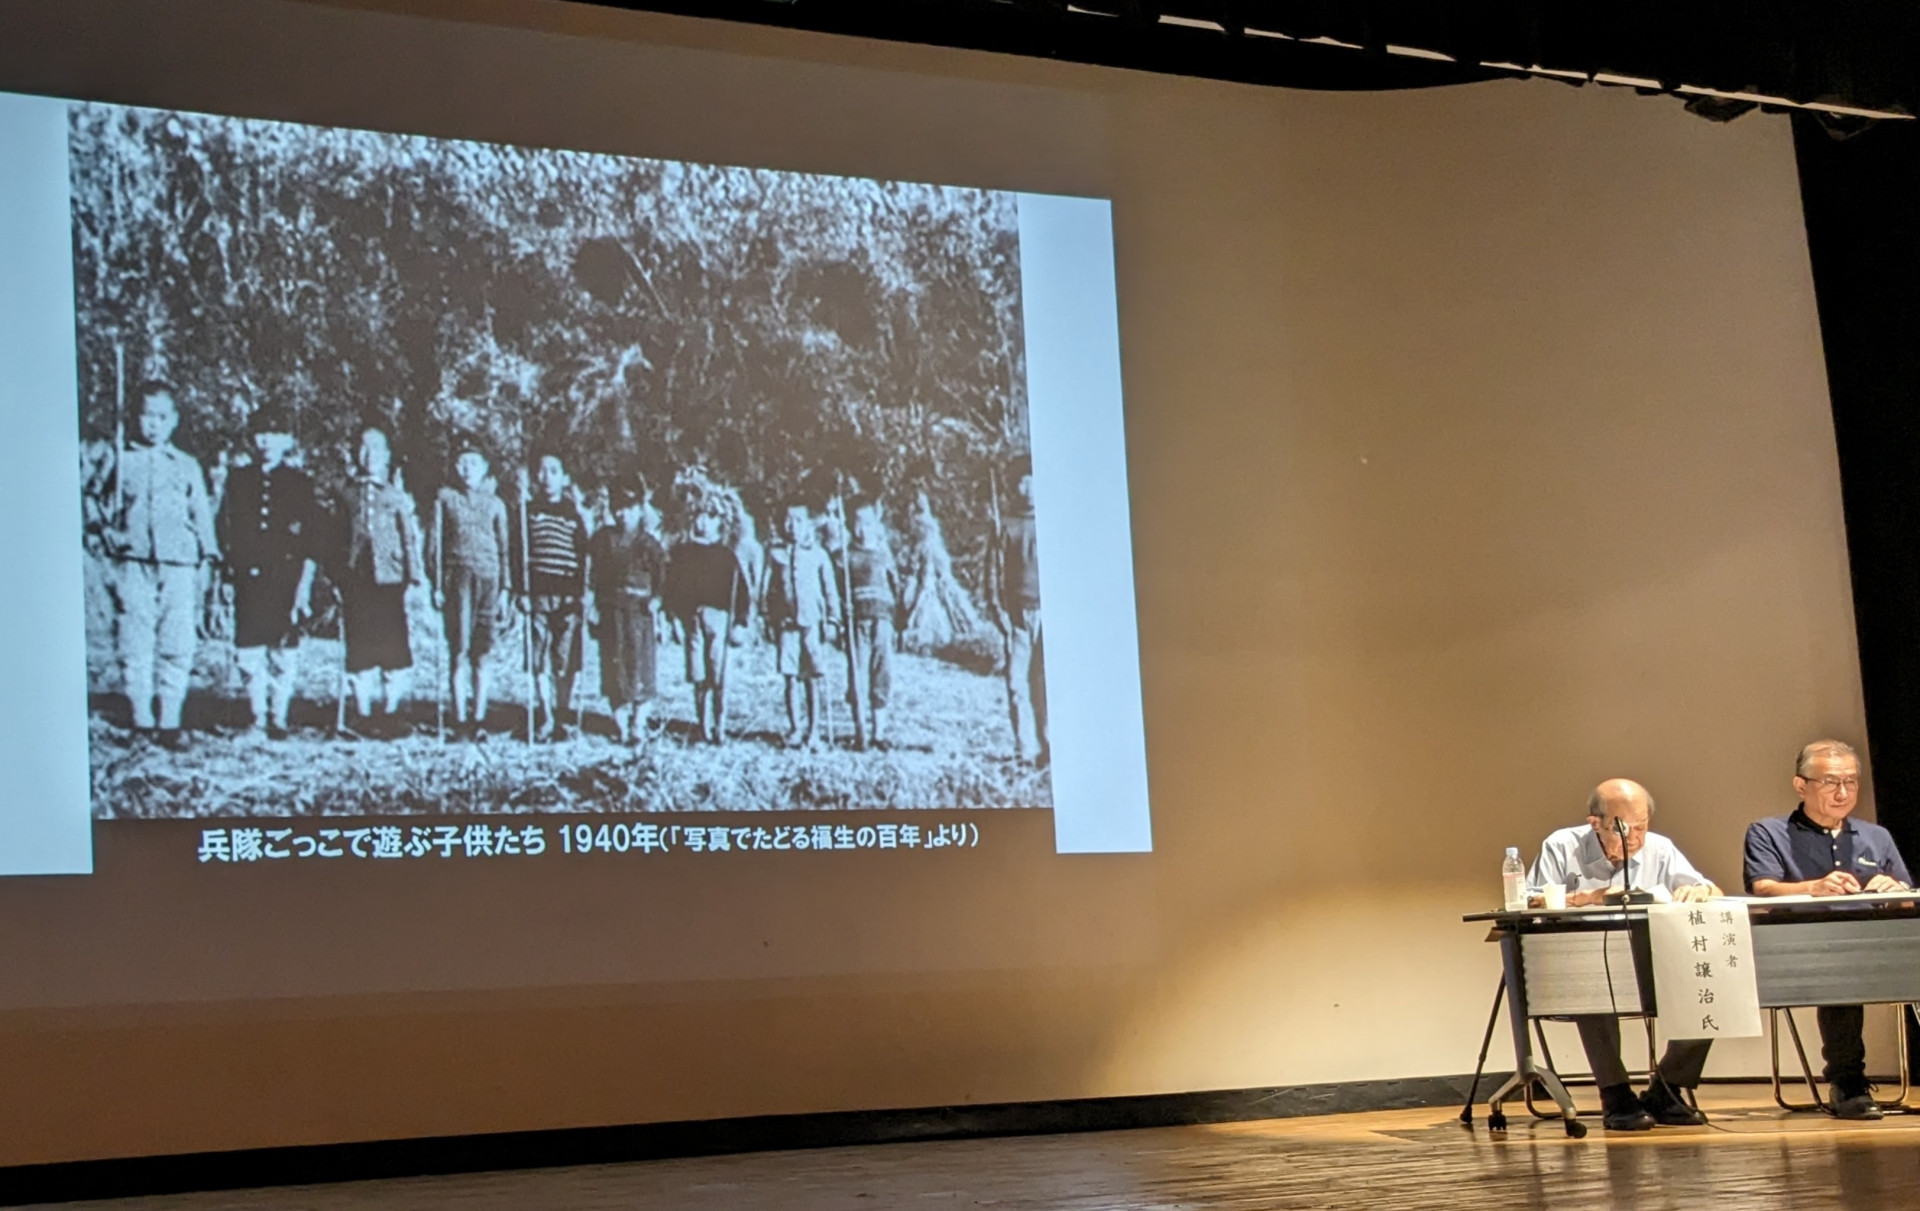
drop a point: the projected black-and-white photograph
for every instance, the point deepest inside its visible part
(425, 476)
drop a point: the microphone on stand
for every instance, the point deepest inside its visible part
(1626, 859)
(1627, 894)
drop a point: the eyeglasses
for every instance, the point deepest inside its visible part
(1832, 783)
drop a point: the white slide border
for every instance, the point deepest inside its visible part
(46, 809)
(1096, 727)
(1077, 423)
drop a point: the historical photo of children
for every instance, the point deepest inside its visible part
(427, 476)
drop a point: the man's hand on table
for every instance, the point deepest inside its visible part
(1835, 883)
(1586, 899)
(1838, 883)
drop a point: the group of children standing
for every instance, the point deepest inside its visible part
(479, 558)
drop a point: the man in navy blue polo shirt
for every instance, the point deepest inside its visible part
(1820, 850)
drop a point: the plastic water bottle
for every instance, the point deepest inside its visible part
(1513, 881)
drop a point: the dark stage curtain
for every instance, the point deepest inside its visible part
(1862, 201)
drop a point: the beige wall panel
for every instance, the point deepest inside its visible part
(1479, 448)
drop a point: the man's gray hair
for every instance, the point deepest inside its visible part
(1596, 809)
(1821, 748)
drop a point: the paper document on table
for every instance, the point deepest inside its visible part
(1703, 970)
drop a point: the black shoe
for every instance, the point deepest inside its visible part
(1853, 1102)
(1668, 1107)
(1621, 1111)
(171, 738)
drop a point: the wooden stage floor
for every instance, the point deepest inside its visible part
(1752, 1156)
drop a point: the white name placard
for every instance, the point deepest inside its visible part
(1703, 970)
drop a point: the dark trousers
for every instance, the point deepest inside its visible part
(1600, 1035)
(1841, 1043)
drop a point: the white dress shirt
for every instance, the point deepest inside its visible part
(1573, 858)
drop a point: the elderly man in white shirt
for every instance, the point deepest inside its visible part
(1613, 852)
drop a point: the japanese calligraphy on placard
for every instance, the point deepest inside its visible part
(1703, 970)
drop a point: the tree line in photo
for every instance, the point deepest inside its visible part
(638, 314)
(630, 562)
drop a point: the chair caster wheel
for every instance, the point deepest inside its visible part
(1497, 1121)
(1576, 1130)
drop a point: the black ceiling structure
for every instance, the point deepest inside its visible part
(1857, 53)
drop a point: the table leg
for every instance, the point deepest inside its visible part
(1527, 1069)
(1904, 1044)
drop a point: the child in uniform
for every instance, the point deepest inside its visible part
(271, 527)
(874, 584)
(1018, 611)
(801, 603)
(629, 570)
(380, 566)
(160, 533)
(554, 589)
(468, 548)
(707, 598)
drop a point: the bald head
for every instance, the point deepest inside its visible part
(1618, 792)
(1620, 805)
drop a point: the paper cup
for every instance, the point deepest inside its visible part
(1553, 896)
